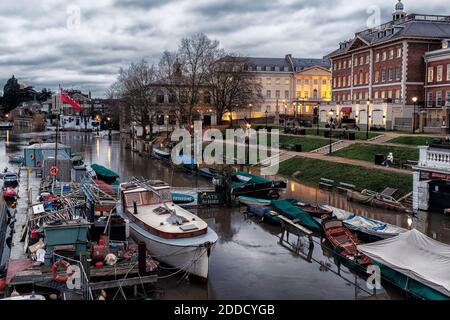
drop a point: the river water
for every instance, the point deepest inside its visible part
(248, 262)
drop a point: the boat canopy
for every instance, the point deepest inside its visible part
(416, 256)
(289, 209)
(103, 171)
(243, 178)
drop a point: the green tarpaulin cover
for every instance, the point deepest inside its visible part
(243, 178)
(289, 209)
(104, 172)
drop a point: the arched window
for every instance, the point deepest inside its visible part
(315, 95)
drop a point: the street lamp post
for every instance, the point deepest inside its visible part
(250, 106)
(331, 131)
(267, 119)
(414, 99)
(318, 118)
(285, 117)
(368, 125)
(167, 126)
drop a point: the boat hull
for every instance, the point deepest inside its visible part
(193, 260)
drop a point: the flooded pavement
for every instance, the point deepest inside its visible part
(248, 262)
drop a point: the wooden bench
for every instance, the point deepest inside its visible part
(410, 164)
(326, 184)
(345, 187)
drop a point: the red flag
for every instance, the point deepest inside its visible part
(65, 98)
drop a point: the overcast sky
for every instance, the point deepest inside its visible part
(44, 43)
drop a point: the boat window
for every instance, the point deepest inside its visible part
(148, 198)
(165, 195)
(133, 197)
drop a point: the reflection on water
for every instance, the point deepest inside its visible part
(248, 262)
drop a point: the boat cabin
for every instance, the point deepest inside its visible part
(154, 211)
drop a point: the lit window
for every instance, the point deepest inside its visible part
(340, 65)
(269, 81)
(391, 54)
(367, 59)
(438, 98)
(277, 81)
(384, 56)
(448, 72)
(430, 74)
(377, 57)
(361, 61)
(430, 99)
(345, 64)
(399, 52)
(287, 81)
(439, 73)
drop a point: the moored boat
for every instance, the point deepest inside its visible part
(315, 211)
(17, 159)
(254, 201)
(367, 229)
(161, 154)
(413, 262)
(9, 193)
(344, 242)
(173, 235)
(246, 184)
(10, 179)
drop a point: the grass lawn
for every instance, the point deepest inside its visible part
(413, 141)
(308, 144)
(359, 135)
(312, 170)
(367, 152)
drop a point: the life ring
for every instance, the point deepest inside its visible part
(38, 163)
(61, 277)
(31, 157)
(54, 171)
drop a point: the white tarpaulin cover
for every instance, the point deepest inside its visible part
(415, 255)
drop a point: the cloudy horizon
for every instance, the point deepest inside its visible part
(44, 44)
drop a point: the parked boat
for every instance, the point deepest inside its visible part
(289, 209)
(246, 184)
(209, 173)
(375, 199)
(344, 242)
(17, 159)
(315, 211)
(250, 201)
(180, 199)
(172, 234)
(367, 229)
(162, 154)
(10, 179)
(104, 174)
(414, 262)
(9, 194)
(187, 163)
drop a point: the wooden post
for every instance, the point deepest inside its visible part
(142, 258)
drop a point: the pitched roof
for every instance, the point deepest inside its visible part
(299, 63)
(413, 26)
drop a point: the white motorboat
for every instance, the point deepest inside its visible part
(173, 235)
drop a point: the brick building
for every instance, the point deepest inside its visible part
(382, 69)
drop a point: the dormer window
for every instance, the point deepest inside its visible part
(268, 68)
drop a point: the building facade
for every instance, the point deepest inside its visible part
(290, 87)
(377, 75)
(437, 89)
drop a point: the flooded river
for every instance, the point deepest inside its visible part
(248, 262)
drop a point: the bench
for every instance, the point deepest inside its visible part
(410, 164)
(326, 184)
(345, 187)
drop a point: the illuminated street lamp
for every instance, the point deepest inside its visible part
(414, 99)
(331, 113)
(367, 112)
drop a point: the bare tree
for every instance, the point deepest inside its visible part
(233, 86)
(135, 86)
(196, 53)
(172, 80)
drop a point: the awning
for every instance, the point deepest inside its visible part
(346, 110)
